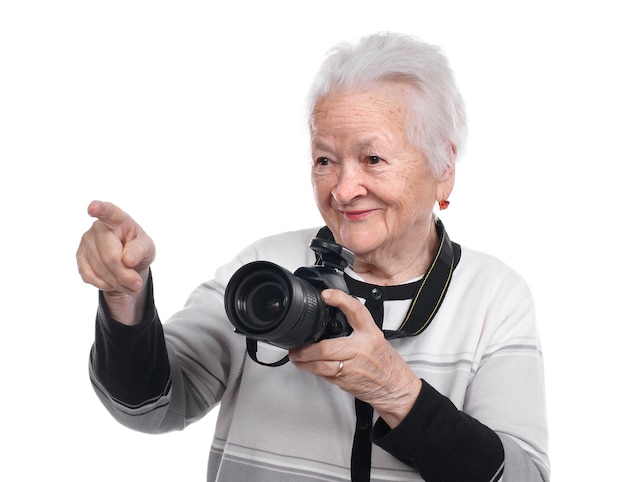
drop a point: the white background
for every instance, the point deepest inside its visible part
(189, 115)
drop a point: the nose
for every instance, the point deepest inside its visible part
(349, 184)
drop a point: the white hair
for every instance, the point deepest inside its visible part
(437, 123)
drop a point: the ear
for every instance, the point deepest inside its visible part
(445, 184)
(446, 180)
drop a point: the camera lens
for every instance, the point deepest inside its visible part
(266, 302)
(257, 299)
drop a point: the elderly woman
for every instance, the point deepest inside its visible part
(441, 377)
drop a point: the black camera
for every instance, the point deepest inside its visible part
(268, 303)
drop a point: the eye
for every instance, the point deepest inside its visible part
(322, 161)
(373, 159)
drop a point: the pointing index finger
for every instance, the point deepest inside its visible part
(108, 213)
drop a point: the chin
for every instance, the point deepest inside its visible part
(359, 243)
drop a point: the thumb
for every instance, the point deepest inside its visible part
(139, 253)
(356, 313)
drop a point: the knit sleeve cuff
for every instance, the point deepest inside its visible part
(131, 362)
(441, 442)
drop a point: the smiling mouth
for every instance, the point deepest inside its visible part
(356, 215)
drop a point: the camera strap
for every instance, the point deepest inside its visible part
(433, 288)
(252, 346)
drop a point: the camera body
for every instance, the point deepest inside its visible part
(266, 302)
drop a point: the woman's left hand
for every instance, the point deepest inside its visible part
(363, 363)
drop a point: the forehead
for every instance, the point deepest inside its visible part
(379, 108)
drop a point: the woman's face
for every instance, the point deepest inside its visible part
(373, 188)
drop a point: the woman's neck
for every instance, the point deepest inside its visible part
(401, 262)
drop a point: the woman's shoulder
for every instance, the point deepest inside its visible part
(486, 269)
(300, 235)
(289, 249)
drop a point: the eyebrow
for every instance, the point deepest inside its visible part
(366, 144)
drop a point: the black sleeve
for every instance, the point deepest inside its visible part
(443, 443)
(131, 362)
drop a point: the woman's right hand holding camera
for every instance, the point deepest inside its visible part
(114, 255)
